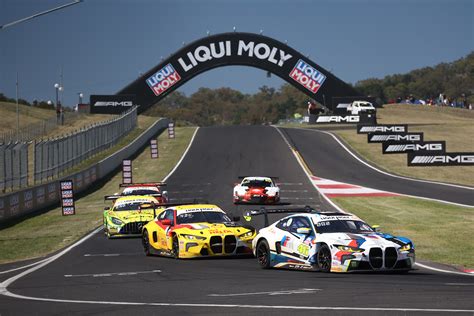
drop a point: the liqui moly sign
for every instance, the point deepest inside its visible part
(163, 79)
(307, 76)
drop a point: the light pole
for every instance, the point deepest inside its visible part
(58, 105)
(80, 97)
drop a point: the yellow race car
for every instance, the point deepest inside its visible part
(127, 217)
(196, 230)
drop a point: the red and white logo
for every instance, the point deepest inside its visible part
(163, 79)
(307, 76)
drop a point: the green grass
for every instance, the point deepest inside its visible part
(40, 235)
(441, 232)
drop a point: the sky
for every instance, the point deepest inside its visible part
(103, 45)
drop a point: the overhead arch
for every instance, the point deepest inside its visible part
(241, 49)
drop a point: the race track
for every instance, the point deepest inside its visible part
(328, 159)
(113, 277)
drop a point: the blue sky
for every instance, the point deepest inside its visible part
(102, 45)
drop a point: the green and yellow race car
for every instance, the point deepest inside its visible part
(127, 217)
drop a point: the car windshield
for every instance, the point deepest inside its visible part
(132, 206)
(342, 226)
(257, 183)
(199, 217)
(140, 192)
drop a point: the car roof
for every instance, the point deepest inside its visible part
(258, 178)
(327, 216)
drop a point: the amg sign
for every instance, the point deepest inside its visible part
(399, 148)
(111, 104)
(338, 119)
(365, 129)
(446, 159)
(394, 137)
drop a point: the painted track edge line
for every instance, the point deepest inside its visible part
(388, 309)
(182, 157)
(341, 210)
(381, 171)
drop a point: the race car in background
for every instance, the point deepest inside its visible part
(328, 242)
(127, 216)
(256, 190)
(196, 230)
(145, 189)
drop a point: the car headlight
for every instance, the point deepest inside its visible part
(246, 235)
(406, 247)
(349, 248)
(116, 221)
(193, 237)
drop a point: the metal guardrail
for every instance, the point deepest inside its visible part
(26, 201)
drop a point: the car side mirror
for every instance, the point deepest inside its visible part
(303, 230)
(106, 208)
(236, 218)
(166, 222)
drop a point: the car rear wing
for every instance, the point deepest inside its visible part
(271, 177)
(264, 211)
(145, 184)
(116, 196)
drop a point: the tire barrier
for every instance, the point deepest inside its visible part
(46, 195)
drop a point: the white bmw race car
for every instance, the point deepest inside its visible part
(257, 190)
(328, 242)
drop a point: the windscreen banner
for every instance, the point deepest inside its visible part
(111, 104)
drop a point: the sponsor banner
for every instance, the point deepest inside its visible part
(400, 148)
(127, 172)
(40, 195)
(238, 49)
(28, 199)
(382, 128)
(111, 104)
(394, 137)
(154, 148)
(345, 119)
(440, 159)
(67, 197)
(307, 76)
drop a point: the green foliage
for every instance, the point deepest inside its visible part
(452, 79)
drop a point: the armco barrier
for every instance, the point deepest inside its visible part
(29, 200)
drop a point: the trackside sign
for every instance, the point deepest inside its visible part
(111, 104)
(365, 129)
(394, 137)
(399, 148)
(345, 119)
(446, 159)
(237, 49)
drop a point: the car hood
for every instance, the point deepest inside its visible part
(213, 228)
(368, 240)
(133, 216)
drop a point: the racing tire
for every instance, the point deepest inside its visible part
(146, 243)
(263, 254)
(324, 259)
(175, 247)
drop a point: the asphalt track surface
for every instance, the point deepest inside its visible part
(113, 277)
(328, 159)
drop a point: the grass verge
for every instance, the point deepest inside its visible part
(441, 233)
(40, 235)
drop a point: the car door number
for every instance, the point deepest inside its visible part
(303, 249)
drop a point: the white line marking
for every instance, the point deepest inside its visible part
(296, 198)
(23, 267)
(110, 254)
(441, 270)
(283, 292)
(182, 157)
(99, 275)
